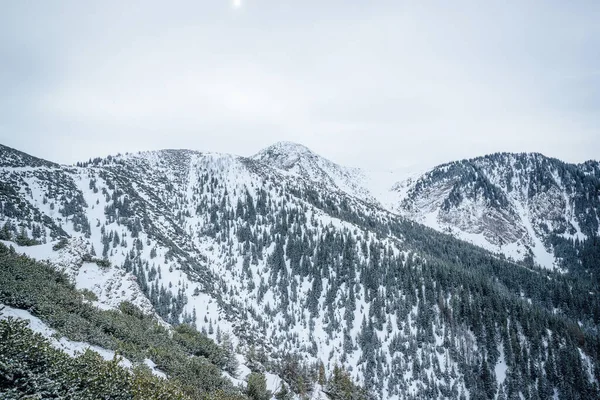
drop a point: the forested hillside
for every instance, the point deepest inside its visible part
(301, 275)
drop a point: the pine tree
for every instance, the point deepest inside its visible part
(256, 387)
(284, 393)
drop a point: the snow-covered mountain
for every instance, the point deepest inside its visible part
(522, 205)
(519, 205)
(296, 255)
(300, 161)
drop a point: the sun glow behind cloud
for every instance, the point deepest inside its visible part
(237, 4)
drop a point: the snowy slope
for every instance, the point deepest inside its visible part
(194, 233)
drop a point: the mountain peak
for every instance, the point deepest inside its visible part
(288, 146)
(283, 154)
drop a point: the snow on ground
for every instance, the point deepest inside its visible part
(501, 368)
(541, 255)
(111, 285)
(273, 381)
(515, 251)
(67, 259)
(39, 252)
(150, 364)
(588, 364)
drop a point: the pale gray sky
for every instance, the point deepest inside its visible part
(376, 84)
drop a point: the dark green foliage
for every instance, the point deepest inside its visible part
(199, 345)
(88, 295)
(295, 373)
(284, 393)
(62, 243)
(256, 387)
(31, 368)
(189, 358)
(341, 387)
(23, 239)
(472, 291)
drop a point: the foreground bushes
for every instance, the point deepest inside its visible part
(30, 366)
(192, 361)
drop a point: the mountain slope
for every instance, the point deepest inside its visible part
(10, 157)
(525, 206)
(274, 250)
(517, 204)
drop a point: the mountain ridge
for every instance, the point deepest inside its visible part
(521, 232)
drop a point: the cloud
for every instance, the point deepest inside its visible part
(374, 84)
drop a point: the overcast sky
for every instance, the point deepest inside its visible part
(376, 84)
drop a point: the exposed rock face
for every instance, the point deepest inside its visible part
(511, 203)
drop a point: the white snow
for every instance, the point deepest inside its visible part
(501, 368)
